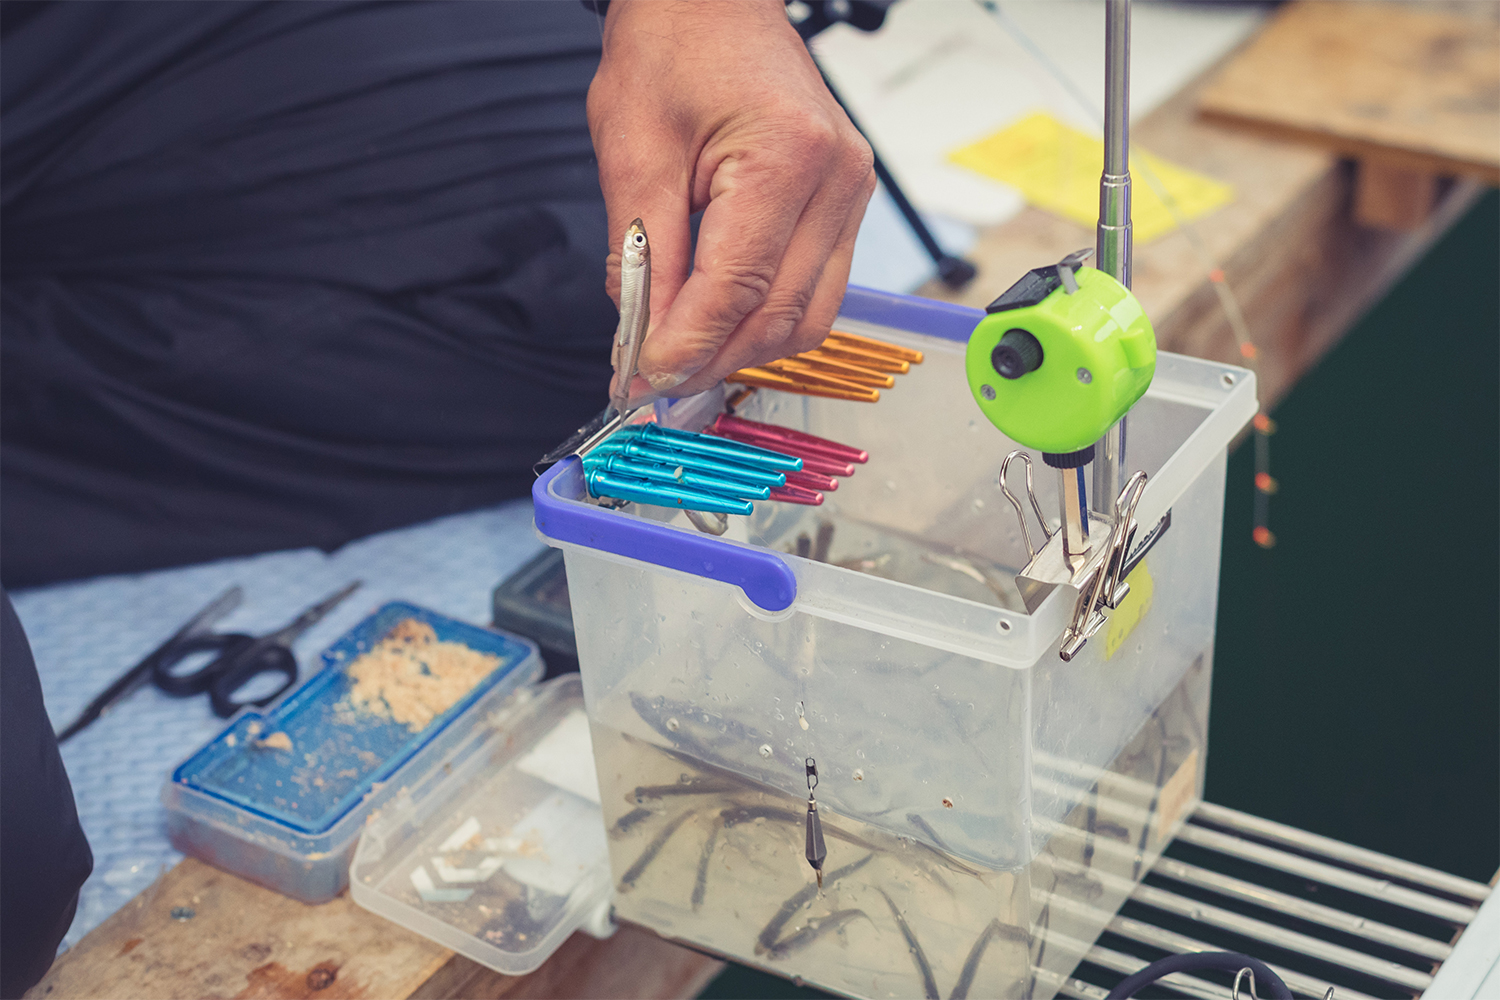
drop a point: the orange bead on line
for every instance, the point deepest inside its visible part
(1263, 537)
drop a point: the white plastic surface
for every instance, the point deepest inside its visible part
(501, 855)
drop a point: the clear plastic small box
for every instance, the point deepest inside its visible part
(500, 853)
(280, 798)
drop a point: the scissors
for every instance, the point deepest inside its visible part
(240, 658)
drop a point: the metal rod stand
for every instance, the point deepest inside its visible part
(1114, 246)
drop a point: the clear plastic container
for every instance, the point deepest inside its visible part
(987, 806)
(499, 853)
(280, 798)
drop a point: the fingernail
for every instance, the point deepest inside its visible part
(662, 381)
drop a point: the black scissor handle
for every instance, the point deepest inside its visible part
(245, 665)
(184, 685)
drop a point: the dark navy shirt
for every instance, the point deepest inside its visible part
(286, 274)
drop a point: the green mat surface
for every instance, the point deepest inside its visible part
(1357, 667)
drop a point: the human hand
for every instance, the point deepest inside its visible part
(716, 106)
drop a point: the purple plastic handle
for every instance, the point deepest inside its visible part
(760, 573)
(764, 576)
(908, 312)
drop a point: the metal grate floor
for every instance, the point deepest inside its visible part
(1322, 913)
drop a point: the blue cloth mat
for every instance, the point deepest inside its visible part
(85, 634)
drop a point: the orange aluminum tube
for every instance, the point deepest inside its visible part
(767, 379)
(878, 346)
(838, 369)
(832, 350)
(806, 373)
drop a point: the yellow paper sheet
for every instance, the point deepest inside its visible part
(1057, 168)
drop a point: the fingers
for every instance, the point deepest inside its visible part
(755, 206)
(644, 173)
(823, 308)
(806, 292)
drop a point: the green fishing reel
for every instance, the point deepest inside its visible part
(1062, 356)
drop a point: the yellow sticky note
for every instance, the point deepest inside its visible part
(1057, 168)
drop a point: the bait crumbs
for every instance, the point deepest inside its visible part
(411, 677)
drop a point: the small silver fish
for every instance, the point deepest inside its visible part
(635, 311)
(816, 928)
(929, 984)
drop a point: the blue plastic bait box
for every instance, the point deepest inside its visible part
(280, 798)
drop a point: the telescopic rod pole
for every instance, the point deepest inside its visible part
(1113, 250)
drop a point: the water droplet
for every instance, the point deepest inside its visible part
(859, 774)
(673, 725)
(765, 750)
(860, 754)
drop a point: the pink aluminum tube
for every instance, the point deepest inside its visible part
(785, 436)
(796, 494)
(812, 480)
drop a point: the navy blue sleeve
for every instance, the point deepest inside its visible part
(44, 856)
(280, 275)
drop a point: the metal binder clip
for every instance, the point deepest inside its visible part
(1031, 495)
(1104, 589)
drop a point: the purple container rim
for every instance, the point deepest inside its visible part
(765, 578)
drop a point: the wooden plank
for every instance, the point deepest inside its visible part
(243, 941)
(1392, 197)
(1413, 87)
(632, 963)
(1301, 269)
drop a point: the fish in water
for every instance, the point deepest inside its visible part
(971, 964)
(700, 882)
(768, 935)
(692, 786)
(815, 929)
(929, 984)
(942, 851)
(636, 870)
(735, 815)
(629, 822)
